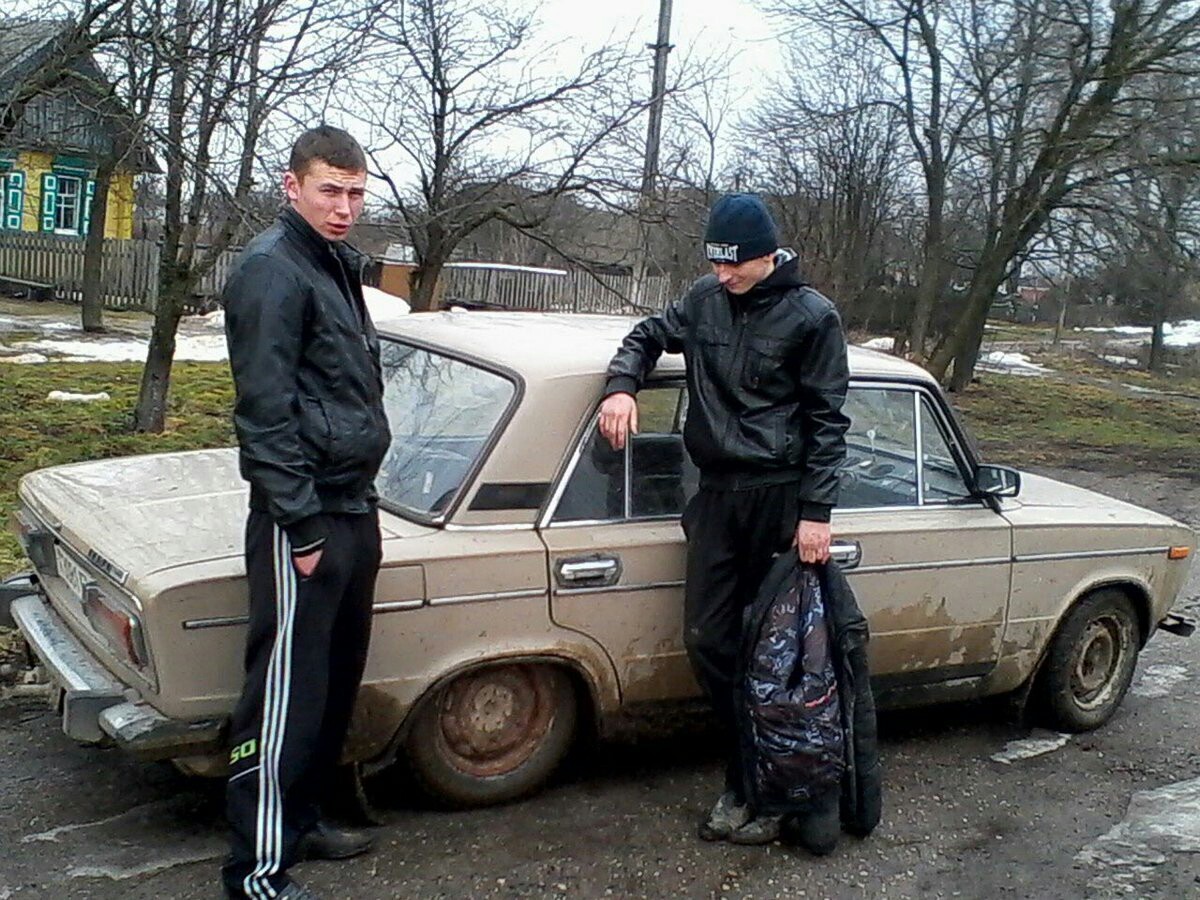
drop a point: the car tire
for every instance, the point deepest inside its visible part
(493, 734)
(1090, 663)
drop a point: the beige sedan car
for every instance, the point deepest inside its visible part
(532, 577)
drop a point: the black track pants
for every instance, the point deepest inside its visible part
(731, 539)
(305, 652)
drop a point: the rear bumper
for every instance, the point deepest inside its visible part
(96, 707)
(82, 688)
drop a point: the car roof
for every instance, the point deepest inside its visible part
(549, 345)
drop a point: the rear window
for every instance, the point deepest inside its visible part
(443, 412)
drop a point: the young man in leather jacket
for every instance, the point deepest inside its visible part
(766, 380)
(312, 433)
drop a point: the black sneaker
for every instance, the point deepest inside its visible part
(325, 841)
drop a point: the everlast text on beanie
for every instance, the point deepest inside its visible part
(740, 227)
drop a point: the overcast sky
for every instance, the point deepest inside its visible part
(701, 24)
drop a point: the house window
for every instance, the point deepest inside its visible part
(12, 200)
(68, 205)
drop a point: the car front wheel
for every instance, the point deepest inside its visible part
(493, 734)
(1091, 662)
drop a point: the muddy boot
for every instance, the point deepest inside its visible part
(818, 829)
(728, 815)
(759, 830)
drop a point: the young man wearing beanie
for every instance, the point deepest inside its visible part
(766, 380)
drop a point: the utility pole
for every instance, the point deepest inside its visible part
(661, 47)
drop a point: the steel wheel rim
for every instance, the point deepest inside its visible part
(1101, 652)
(492, 722)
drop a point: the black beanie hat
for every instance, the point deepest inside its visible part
(740, 227)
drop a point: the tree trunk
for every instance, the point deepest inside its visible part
(962, 345)
(968, 357)
(93, 252)
(424, 282)
(150, 414)
(927, 292)
(1155, 363)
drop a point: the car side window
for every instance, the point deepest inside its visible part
(941, 476)
(881, 449)
(661, 477)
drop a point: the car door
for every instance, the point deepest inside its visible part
(930, 565)
(616, 548)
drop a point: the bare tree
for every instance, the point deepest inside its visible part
(210, 82)
(833, 160)
(459, 97)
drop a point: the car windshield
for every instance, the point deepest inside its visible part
(443, 412)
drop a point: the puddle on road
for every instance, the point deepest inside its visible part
(1158, 823)
(1157, 681)
(1032, 746)
(141, 841)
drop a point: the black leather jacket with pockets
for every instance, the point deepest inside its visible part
(767, 376)
(309, 411)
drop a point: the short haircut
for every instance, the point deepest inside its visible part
(330, 145)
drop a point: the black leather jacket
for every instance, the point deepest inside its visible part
(766, 376)
(309, 411)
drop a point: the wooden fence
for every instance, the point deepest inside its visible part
(517, 287)
(129, 277)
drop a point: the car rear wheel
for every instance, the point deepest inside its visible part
(1091, 662)
(493, 734)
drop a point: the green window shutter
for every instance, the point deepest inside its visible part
(14, 200)
(49, 200)
(85, 220)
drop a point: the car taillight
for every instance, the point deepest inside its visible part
(121, 629)
(1179, 552)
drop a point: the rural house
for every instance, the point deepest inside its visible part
(48, 161)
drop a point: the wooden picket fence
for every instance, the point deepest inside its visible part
(519, 287)
(129, 276)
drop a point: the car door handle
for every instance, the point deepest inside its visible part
(846, 554)
(590, 571)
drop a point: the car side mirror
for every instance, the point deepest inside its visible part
(997, 481)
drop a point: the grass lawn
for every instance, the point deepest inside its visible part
(36, 432)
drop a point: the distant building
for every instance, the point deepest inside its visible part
(48, 164)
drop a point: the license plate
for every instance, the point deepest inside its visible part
(71, 572)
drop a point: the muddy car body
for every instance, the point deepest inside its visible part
(532, 577)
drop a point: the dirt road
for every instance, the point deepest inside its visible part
(976, 807)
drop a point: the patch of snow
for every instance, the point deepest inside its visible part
(1158, 822)
(214, 320)
(1138, 389)
(24, 358)
(383, 306)
(1118, 329)
(1030, 747)
(202, 348)
(1157, 681)
(1010, 363)
(886, 344)
(1119, 360)
(1185, 333)
(69, 397)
